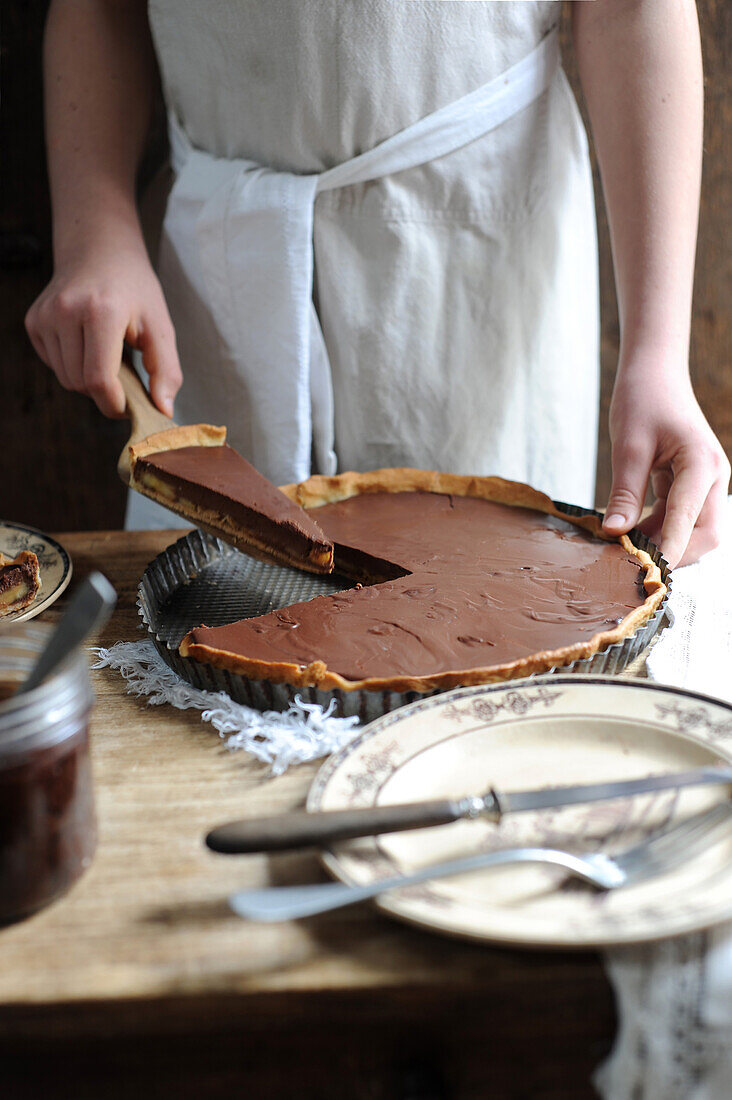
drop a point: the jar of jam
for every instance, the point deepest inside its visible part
(47, 822)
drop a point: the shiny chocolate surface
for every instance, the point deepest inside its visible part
(481, 584)
(218, 477)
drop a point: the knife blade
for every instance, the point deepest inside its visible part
(301, 829)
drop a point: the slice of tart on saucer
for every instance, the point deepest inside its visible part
(460, 580)
(192, 471)
(20, 581)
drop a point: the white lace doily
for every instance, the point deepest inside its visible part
(304, 732)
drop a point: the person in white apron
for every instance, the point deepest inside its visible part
(379, 248)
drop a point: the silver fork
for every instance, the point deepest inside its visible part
(660, 852)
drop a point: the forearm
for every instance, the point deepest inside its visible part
(641, 73)
(640, 66)
(100, 78)
(99, 81)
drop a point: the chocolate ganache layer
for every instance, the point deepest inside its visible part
(214, 487)
(470, 589)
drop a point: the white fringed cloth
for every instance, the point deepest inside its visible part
(304, 732)
(674, 998)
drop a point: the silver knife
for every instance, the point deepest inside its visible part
(300, 829)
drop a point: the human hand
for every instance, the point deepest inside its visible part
(659, 432)
(104, 292)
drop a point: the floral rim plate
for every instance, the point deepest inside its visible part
(549, 731)
(53, 561)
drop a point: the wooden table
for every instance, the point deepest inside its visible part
(141, 983)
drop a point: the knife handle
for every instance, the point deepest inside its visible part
(301, 829)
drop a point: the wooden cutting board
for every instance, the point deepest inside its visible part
(142, 969)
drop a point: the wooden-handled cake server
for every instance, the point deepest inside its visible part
(191, 471)
(145, 418)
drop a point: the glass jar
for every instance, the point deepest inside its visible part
(47, 821)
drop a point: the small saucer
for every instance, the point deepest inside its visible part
(53, 562)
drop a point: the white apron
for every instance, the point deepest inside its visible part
(452, 263)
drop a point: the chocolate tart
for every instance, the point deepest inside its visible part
(460, 580)
(192, 471)
(20, 581)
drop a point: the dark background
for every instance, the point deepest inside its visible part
(60, 453)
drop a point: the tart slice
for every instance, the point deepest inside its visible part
(192, 471)
(464, 580)
(20, 581)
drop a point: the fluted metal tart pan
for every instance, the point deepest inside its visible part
(202, 579)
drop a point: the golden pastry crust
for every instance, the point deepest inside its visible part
(189, 435)
(19, 586)
(211, 520)
(319, 490)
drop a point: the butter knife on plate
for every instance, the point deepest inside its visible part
(300, 829)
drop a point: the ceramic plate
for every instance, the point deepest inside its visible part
(552, 730)
(53, 561)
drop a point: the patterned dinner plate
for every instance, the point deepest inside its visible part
(548, 731)
(53, 562)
